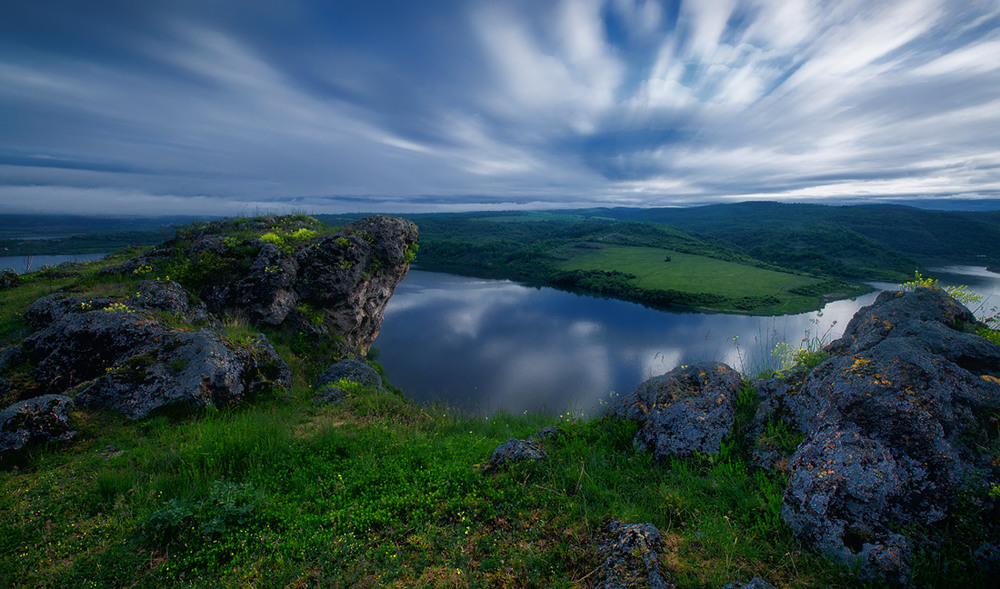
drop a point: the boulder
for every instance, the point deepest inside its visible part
(892, 421)
(169, 297)
(50, 308)
(264, 294)
(37, 420)
(686, 411)
(192, 370)
(329, 395)
(122, 359)
(352, 370)
(514, 450)
(631, 554)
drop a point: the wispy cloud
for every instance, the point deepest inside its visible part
(221, 105)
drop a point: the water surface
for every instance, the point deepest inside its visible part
(485, 345)
(25, 264)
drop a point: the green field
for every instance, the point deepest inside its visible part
(695, 274)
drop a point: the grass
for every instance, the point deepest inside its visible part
(696, 274)
(373, 494)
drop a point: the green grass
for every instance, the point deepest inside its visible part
(696, 274)
(374, 493)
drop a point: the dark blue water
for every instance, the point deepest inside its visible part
(24, 264)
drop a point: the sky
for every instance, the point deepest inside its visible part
(248, 106)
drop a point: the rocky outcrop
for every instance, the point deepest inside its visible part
(631, 554)
(122, 357)
(351, 277)
(280, 272)
(892, 422)
(690, 409)
(37, 420)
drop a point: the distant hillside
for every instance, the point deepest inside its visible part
(847, 241)
(650, 263)
(30, 235)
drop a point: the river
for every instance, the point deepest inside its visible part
(24, 264)
(489, 345)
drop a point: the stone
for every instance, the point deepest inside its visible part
(514, 450)
(49, 308)
(549, 432)
(170, 297)
(352, 370)
(10, 356)
(631, 554)
(193, 370)
(32, 421)
(891, 421)
(9, 278)
(121, 359)
(686, 411)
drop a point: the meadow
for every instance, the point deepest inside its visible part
(658, 269)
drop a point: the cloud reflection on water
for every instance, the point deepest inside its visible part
(486, 345)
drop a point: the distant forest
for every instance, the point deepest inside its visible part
(610, 251)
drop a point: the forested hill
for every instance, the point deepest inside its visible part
(800, 235)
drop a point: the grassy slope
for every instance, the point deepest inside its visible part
(691, 273)
(376, 492)
(851, 240)
(534, 247)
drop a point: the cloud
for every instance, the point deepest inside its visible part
(458, 104)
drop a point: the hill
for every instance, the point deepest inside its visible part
(204, 414)
(871, 242)
(651, 263)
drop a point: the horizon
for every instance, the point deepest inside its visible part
(218, 108)
(927, 205)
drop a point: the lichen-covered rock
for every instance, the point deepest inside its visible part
(350, 278)
(688, 410)
(37, 420)
(170, 297)
(892, 421)
(264, 294)
(50, 308)
(137, 364)
(352, 370)
(514, 450)
(333, 285)
(191, 370)
(893, 309)
(631, 554)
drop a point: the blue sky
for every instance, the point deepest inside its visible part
(237, 106)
